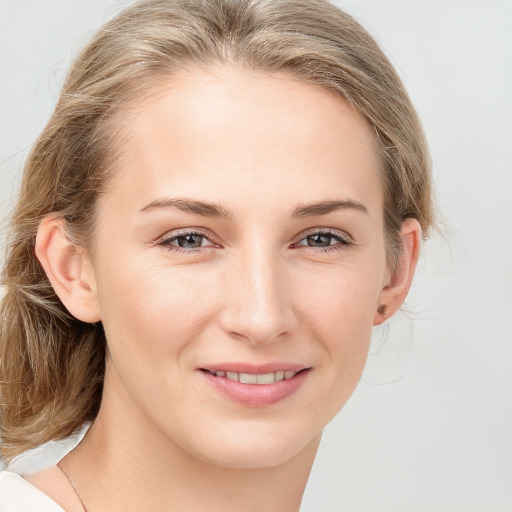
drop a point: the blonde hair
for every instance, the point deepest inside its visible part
(51, 364)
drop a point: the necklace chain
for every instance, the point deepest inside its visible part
(73, 485)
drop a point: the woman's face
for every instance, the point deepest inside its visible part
(243, 233)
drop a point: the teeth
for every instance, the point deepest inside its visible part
(266, 378)
(249, 378)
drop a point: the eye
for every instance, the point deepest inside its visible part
(186, 241)
(325, 240)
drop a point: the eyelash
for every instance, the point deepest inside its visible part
(343, 240)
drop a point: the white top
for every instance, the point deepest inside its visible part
(18, 495)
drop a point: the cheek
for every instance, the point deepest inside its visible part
(339, 302)
(340, 307)
(149, 313)
(153, 320)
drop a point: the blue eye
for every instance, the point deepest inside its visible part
(188, 241)
(193, 242)
(325, 240)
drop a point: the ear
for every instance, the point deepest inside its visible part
(398, 283)
(68, 268)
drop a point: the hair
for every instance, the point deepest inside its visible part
(51, 364)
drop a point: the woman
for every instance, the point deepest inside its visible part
(227, 198)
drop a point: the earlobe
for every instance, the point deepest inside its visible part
(396, 289)
(68, 269)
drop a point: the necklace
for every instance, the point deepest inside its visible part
(73, 485)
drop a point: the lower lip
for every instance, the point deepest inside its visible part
(257, 395)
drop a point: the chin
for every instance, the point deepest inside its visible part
(253, 448)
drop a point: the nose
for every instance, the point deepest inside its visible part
(258, 304)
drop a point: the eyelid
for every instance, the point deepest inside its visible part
(344, 239)
(184, 231)
(348, 239)
(164, 240)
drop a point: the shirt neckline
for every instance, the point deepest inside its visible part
(35, 489)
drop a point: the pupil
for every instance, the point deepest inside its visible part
(319, 240)
(191, 240)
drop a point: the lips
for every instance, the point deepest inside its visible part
(256, 385)
(250, 378)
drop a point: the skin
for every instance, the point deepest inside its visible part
(256, 291)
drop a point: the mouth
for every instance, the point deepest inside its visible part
(258, 378)
(256, 386)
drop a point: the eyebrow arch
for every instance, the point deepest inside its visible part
(325, 207)
(214, 210)
(190, 206)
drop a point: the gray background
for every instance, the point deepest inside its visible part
(430, 426)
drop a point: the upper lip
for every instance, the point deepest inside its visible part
(254, 369)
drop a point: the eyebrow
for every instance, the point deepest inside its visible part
(190, 206)
(325, 207)
(214, 210)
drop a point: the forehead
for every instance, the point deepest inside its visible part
(228, 131)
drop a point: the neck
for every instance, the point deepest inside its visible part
(126, 464)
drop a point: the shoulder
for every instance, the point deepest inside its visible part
(18, 495)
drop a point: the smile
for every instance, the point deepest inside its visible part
(251, 378)
(256, 385)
